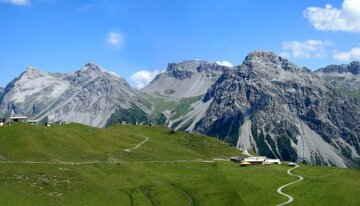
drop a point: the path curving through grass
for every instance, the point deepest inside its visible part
(137, 146)
(279, 190)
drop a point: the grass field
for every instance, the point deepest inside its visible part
(149, 175)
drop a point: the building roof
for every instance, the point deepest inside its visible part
(20, 117)
(255, 159)
(237, 157)
(273, 160)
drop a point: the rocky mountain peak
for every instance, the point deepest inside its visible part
(278, 109)
(91, 67)
(91, 71)
(265, 59)
(186, 69)
(353, 67)
(262, 65)
(185, 65)
(186, 79)
(31, 73)
(195, 66)
(345, 77)
(261, 55)
(31, 69)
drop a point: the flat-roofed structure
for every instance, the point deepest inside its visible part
(272, 161)
(18, 119)
(255, 160)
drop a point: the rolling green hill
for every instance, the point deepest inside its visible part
(78, 165)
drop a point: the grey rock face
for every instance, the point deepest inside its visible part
(30, 93)
(1, 92)
(87, 96)
(186, 79)
(345, 77)
(353, 67)
(277, 109)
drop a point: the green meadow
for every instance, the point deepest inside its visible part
(78, 165)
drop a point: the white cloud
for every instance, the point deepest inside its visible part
(17, 2)
(114, 73)
(353, 54)
(329, 18)
(285, 55)
(142, 78)
(225, 63)
(84, 7)
(306, 49)
(115, 39)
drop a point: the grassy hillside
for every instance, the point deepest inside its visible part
(81, 143)
(78, 165)
(326, 186)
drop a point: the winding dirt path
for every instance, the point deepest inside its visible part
(137, 146)
(279, 190)
(110, 162)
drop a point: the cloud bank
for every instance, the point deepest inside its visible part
(351, 55)
(346, 19)
(142, 78)
(16, 2)
(306, 49)
(225, 63)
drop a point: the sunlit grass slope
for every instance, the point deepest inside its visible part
(35, 170)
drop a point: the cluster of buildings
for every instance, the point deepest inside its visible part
(246, 161)
(19, 119)
(135, 123)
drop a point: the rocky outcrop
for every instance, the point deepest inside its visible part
(186, 79)
(353, 68)
(1, 92)
(345, 77)
(280, 110)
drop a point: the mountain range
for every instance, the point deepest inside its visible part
(88, 96)
(267, 104)
(346, 77)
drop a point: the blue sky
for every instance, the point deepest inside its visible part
(138, 38)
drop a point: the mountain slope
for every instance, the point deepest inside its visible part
(345, 77)
(89, 96)
(178, 88)
(1, 92)
(277, 109)
(186, 79)
(31, 92)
